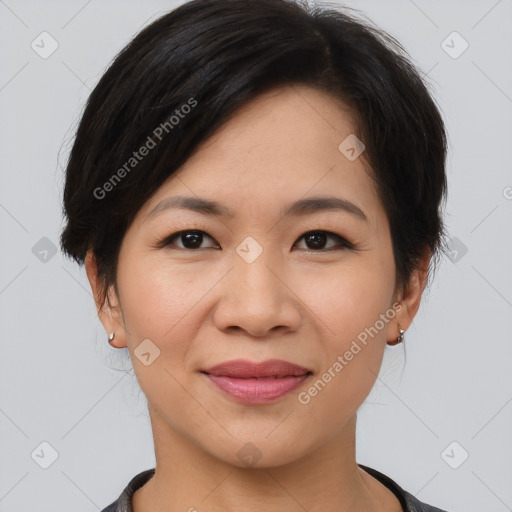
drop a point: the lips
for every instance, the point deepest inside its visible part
(272, 368)
(257, 383)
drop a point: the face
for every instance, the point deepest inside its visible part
(251, 280)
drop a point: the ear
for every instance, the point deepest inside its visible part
(109, 311)
(410, 298)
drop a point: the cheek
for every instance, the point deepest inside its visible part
(352, 356)
(346, 299)
(349, 305)
(158, 298)
(158, 304)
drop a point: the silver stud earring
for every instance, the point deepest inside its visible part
(400, 338)
(110, 338)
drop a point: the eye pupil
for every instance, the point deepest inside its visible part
(317, 239)
(192, 239)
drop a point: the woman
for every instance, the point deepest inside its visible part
(255, 190)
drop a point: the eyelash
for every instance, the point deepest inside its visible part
(343, 243)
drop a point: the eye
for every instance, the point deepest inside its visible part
(190, 239)
(316, 240)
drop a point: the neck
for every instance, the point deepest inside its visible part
(327, 479)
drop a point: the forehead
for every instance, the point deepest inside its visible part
(279, 147)
(292, 120)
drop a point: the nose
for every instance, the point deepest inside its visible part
(257, 300)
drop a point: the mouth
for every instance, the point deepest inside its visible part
(257, 383)
(243, 369)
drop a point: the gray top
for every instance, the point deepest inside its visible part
(408, 501)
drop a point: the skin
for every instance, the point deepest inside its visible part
(203, 306)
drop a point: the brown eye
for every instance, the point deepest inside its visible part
(190, 239)
(317, 240)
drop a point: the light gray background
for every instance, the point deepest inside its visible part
(58, 376)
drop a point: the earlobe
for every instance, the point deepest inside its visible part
(400, 337)
(108, 311)
(410, 300)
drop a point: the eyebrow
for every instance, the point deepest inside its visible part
(298, 208)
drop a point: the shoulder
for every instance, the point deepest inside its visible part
(112, 507)
(415, 505)
(124, 502)
(408, 501)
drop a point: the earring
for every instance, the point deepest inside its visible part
(400, 338)
(110, 338)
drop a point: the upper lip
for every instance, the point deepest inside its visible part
(243, 369)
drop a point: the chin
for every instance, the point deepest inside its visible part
(256, 452)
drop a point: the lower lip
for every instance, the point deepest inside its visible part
(257, 391)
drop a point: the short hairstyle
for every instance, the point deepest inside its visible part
(212, 57)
